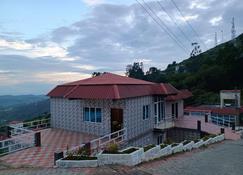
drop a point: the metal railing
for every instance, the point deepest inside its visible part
(37, 124)
(17, 143)
(99, 144)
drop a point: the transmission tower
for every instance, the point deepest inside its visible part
(233, 31)
(216, 39)
(196, 49)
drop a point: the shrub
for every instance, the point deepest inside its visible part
(168, 141)
(111, 148)
(175, 144)
(163, 146)
(82, 151)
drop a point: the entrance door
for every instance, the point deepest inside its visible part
(116, 119)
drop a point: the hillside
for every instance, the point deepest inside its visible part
(22, 107)
(206, 74)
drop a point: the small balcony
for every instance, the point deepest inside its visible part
(166, 123)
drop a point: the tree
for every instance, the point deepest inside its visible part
(135, 70)
(95, 74)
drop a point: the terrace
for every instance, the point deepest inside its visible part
(52, 140)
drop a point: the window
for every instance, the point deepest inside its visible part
(92, 114)
(145, 112)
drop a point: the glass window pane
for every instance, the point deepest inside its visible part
(86, 114)
(92, 114)
(98, 114)
(143, 112)
(147, 111)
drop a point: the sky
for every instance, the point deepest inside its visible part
(44, 43)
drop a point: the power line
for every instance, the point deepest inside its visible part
(162, 26)
(172, 19)
(194, 31)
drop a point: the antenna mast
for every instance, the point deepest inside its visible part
(233, 31)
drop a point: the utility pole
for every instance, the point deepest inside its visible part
(216, 39)
(222, 36)
(233, 31)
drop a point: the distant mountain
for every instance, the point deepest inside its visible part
(206, 74)
(11, 100)
(23, 107)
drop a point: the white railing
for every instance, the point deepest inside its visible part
(165, 123)
(37, 124)
(17, 143)
(97, 145)
(16, 131)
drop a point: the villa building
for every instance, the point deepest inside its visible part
(229, 113)
(109, 102)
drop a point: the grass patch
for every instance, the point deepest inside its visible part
(148, 147)
(163, 146)
(80, 158)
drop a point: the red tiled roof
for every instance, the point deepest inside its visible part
(109, 78)
(182, 94)
(217, 110)
(226, 111)
(111, 86)
(197, 109)
(233, 91)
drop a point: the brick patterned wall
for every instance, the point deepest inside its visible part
(68, 114)
(133, 116)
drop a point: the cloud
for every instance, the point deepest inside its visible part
(33, 50)
(92, 2)
(60, 77)
(215, 21)
(197, 4)
(108, 38)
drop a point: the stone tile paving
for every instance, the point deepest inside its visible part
(52, 140)
(220, 159)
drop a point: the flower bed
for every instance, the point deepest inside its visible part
(122, 157)
(77, 162)
(151, 153)
(188, 145)
(207, 140)
(177, 147)
(165, 150)
(198, 143)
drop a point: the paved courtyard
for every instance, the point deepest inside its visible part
(52, 140)
(220, 159)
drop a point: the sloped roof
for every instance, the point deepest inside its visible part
(217, 110)
(111, 86)
(231, 91)
(182, 94)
